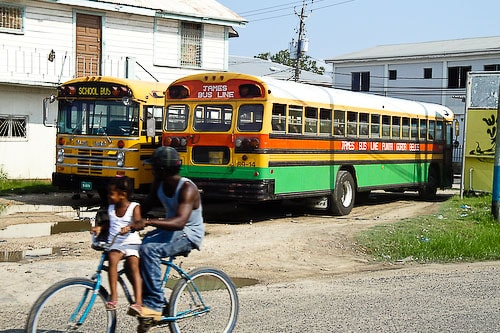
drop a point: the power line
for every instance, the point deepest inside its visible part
(286, 6)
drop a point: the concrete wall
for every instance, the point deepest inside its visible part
(33, 157)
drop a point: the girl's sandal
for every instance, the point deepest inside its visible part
(111, 305)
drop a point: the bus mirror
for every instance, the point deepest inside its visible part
(126, 101)
(46, 102)
(150, 127)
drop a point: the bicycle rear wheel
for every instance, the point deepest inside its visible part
(206, 303)
(60, 308)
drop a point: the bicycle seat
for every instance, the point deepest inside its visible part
(183, 254)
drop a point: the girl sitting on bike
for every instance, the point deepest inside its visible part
(125, 243)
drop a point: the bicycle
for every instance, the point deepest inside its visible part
(202, 300)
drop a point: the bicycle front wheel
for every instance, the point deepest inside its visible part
(65, 307)
(206, 303)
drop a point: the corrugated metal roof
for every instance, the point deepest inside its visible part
(194, 8)
(267, 68)
(435, 49)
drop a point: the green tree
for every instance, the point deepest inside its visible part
(283, 57)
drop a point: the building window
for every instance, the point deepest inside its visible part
(360, 81)
(427, 73)
(11, 18)
(492, 68)
(190, 44)
(393, 74)
(12, 127)
(457, 76)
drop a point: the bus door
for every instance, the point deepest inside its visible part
(212, 138)
(447, 156)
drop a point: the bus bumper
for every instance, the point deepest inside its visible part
(241, 190)
(80, 183)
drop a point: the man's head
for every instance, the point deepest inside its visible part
(165, 161)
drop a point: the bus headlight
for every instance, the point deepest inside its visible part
(120, 159)
(60, 155)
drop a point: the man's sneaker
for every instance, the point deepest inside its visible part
(150, 313)
(135, 310)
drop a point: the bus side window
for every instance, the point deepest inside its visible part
(423, 129)
(325, 122)
(405, 128)
(375, 126)
(439, 131)
(396, 127)
(295, 119)
(386, 127)
(363, 125)
(414, 128)
(278, 118)
(339, 123)
(432, 128)
(311, 121)
(352, 123)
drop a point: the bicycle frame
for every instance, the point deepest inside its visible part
(98, 282)
(169, 263)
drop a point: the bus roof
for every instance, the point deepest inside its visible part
(345, 98)
(338, 98)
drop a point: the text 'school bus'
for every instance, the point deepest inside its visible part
(105, 127)
(481, 111)
(254, 139)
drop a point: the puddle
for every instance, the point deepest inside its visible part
(27, 230)
(15, 256)
(74, 212)
(15, 209)
(244, 282)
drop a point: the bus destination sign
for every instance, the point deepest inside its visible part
(216, 91)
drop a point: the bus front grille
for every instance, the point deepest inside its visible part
(90, 162)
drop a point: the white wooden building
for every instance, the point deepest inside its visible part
(433, 72)
(44, 43)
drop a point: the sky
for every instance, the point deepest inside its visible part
(338, 27)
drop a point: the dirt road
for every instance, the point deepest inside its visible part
(298, 259)
(267, 242)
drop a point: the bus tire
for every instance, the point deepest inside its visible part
(343, 196)
(429, 190)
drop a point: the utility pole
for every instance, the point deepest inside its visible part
(301, 47)
(495, 198)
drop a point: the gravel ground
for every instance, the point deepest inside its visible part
(310, 273)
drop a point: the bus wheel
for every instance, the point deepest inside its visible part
(429, 190)
(342, 198)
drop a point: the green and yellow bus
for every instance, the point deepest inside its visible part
(105, 127)
(254, 139)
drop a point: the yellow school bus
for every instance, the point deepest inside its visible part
(106, 126)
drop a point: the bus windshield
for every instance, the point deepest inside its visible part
(99, 117)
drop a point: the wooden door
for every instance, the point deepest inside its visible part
(88, 45)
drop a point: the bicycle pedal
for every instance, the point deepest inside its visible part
(145, 324)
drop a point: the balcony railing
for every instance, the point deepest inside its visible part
(44, 67)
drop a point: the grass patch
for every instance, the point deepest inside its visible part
(463, 230)
(23, 186)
